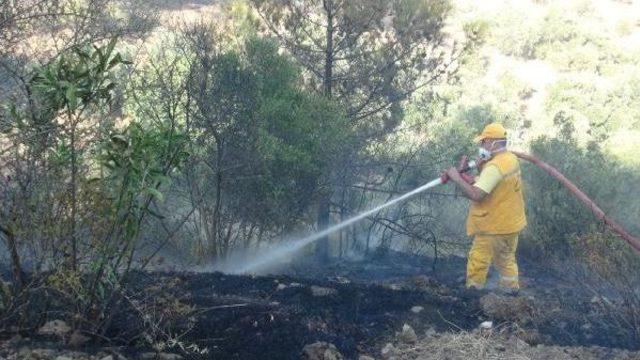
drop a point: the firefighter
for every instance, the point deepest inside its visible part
(497, 215)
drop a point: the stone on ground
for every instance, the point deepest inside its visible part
(389, 352)
(321, 291)
(321, 350)
(408, 335)
(55, 327)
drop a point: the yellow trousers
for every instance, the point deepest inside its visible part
(499, 249)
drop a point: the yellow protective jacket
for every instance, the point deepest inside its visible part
(502, 211)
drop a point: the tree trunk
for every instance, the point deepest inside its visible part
(216, 232)
(328, 63)
(74, 200)
(15, 257)
(324, 206)
(323, 223)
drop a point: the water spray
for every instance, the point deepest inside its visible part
(280, 252)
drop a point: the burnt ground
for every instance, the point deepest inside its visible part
(557, 308)
(356, 305)
(359, 305)
(274, 317)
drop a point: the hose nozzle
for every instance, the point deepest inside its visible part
(463, 167)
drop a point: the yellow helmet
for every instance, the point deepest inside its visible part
(492, 131)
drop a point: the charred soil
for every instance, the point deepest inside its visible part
(356, 305)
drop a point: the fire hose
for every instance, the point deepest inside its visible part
(465, 166)
(590, 204)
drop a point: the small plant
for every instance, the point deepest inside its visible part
(165, 320)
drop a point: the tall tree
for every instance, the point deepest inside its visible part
(370, 55)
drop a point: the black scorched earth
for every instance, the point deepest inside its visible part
(358, 306)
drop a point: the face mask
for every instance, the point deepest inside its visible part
(486, 154)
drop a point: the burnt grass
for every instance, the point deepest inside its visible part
(244, 317)
(274, 317)
(357, 305)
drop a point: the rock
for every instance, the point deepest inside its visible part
(449, 299)
(430, 332)
(486, 325)
(417, 309)
(281, 287)
(113, 351)
(63, 357)
(322, 291)
(108, 357)
(77, 339)
(341, 280)
(393, 286)
(389, 351)
(39, 354)
(159, 356)
(54, 327)
(365, 357)
(408, 335)
(76, 355)
(169, 356)
(321, 350)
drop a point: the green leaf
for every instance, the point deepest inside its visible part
(71, 97)
(155, 193)
(111, 46)
(117, 59)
